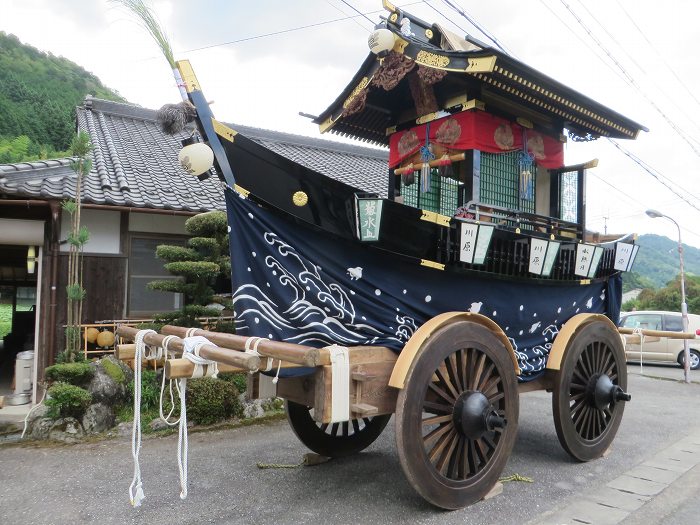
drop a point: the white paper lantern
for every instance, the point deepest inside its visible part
(381, 41)
(196, 158)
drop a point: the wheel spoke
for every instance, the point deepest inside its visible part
(355, 426)
(492, 383)
(346, 430)
(464, 362)
(435, 453)
(497, 397)
(447, 456)
(334, 429)
(439, 391)
(487, 377)
(444, 378)
(453, 471)
(453, 372)
(324, 426)
(438, 432)
(436, 420)
(436, 408)
(479, 369)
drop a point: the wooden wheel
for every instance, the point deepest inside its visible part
(457, 416)
(334, 440)
(589, 391)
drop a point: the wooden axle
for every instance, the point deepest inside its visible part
(292, 353)
(227, 356)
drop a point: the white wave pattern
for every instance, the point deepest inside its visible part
(318, 312)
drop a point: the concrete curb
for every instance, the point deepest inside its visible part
(632, 496)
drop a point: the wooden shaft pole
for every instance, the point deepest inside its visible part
(298, 354)
(178, 368)
(659, 333)
(220, 355)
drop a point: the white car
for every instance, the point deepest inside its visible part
(661, 349)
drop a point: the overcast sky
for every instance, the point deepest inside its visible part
(646, 67)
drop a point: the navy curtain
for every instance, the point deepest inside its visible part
(294, 283)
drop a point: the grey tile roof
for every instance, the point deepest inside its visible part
(135, 164)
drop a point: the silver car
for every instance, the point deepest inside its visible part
(661, 349)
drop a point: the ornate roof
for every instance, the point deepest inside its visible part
(462, 74)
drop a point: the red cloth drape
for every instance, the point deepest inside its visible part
(477, 130)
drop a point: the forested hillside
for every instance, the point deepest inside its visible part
(38, 95)
(657, 262)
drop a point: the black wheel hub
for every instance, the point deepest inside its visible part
(602, 392)
(473, 415)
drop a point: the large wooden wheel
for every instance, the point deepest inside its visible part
(589, 391)
(334, 440)
(457, 416)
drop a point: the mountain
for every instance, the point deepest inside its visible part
(38, 96)
(657, 262)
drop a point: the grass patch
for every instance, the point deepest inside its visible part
(5, 319)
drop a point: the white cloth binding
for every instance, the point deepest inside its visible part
(340, 384)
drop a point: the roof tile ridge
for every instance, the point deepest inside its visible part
(114, 155)
(100, 164)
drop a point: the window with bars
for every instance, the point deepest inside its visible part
(442, 195)
(504, 182)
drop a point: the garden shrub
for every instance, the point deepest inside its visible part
(150, 390)
(238, 379)
(210, 400)
(67, 400)
(78, 373)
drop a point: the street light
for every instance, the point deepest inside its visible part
(654, 214)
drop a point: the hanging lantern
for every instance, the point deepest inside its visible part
(31, 259)
(381, 41)
(196, 158)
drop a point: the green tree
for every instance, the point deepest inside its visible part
(77, 237)
(200, 266)
(669, 297)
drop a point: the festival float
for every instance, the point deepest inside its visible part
(471, 281)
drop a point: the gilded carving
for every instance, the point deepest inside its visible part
(394, 67)
(431, 59)
(362, 85)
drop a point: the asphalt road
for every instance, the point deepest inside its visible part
(89, 483)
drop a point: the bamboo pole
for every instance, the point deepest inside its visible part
(292, 353)
(228, 356)
(658, 333)
(433, 164)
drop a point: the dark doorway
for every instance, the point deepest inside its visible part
(18, 296)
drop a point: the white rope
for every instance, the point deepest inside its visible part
(638, 331)
(26, 418)
(254, 342)
(191, 349)
(136, 494)
(166, 419)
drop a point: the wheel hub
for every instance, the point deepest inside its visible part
(602, 392)
(473, 415)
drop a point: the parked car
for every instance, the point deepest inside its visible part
(661, 349)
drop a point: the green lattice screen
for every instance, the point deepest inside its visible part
(568, 196)
(442, 197)
(500, 181)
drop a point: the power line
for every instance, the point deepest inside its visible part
(661, 57)
(292, 29)
(473, 22)
(597, 41)
(651, 172)
(357, 11)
